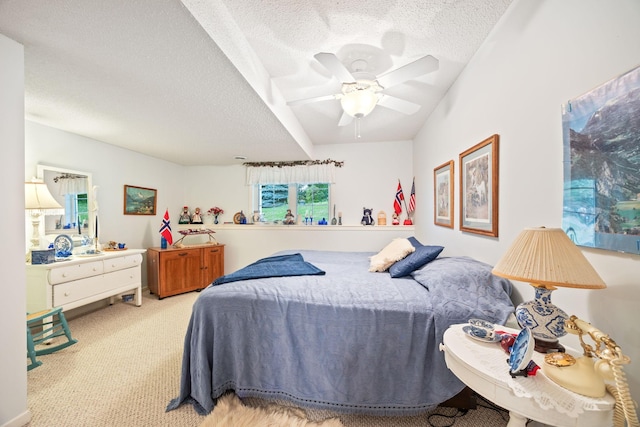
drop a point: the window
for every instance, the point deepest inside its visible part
(313, 201)
(76, 210)
(304, 200)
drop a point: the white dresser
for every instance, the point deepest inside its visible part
(83, 280)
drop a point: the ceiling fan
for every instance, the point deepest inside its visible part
(362, 91)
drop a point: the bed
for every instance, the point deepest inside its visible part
(345, 339)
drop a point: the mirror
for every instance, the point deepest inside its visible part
(73, 190)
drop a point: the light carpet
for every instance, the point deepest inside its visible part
(125, 369)
(230, 412)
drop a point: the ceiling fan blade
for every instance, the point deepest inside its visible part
(397, 104)
(345, 119)
(333, 64)
(419, 67)
(309, 100)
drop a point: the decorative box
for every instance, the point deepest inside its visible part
(45, 256)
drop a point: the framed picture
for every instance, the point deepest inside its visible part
(443, 195)
(139, 200)
(479, 188)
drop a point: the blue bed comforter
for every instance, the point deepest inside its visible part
(275, 266)
(350, 340)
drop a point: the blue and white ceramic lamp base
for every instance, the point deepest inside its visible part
(545, 320)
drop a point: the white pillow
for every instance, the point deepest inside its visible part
(392, 253)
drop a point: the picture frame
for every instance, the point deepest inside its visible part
(479, 188)
(140, 200)
(443, 184)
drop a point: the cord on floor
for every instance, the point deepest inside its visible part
(441, 419)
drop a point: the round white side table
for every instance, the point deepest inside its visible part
(483, 367)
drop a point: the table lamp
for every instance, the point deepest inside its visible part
(39, 201)
(547, 259)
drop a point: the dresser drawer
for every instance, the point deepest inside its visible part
(65, 293)
(68, 292)
(129, 276)
(75, 272)
(120, 263)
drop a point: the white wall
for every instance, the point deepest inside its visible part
(13, 374)
(112, 167)
(369, 178)
(541, 54)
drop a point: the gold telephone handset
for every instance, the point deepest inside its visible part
(608, 367)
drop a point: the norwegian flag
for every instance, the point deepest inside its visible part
(412, 198)
(165, 229)
(397, 206)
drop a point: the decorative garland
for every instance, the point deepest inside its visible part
(67, 176)
(294, 163)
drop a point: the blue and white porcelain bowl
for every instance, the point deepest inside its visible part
(521, 351)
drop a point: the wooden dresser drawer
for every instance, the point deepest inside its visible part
(75, 272)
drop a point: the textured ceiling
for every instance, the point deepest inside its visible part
(198, 82)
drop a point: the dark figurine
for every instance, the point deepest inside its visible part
(367, 219)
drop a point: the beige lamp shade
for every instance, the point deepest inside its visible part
(547, 257)
(38, 197)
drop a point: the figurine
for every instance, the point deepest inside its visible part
(396, 220)
(240, 218)
(289, 219)
(382, 218)
(185, 216)
(196, 218)
(367, 219)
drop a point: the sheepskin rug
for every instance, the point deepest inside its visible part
(230, 412)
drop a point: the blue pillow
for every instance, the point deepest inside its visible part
(414, 242)
(421, 257)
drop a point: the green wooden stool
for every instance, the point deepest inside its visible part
(42, 327)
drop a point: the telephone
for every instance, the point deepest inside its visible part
(587, 374)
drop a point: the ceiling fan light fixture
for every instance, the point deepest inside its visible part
(359, 103)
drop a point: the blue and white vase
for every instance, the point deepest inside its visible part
(545, 320)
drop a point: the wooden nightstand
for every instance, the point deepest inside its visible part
(483, 367)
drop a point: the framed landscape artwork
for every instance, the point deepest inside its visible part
(479, 188)
(139, 200)
(443, 195)
(601, 141)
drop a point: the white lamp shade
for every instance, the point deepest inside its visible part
(359, 103)
(38, 197)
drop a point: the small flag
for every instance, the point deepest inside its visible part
(165, 229)
(397, 206)
(412, 198)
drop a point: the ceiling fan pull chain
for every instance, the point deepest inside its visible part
(357, 127)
